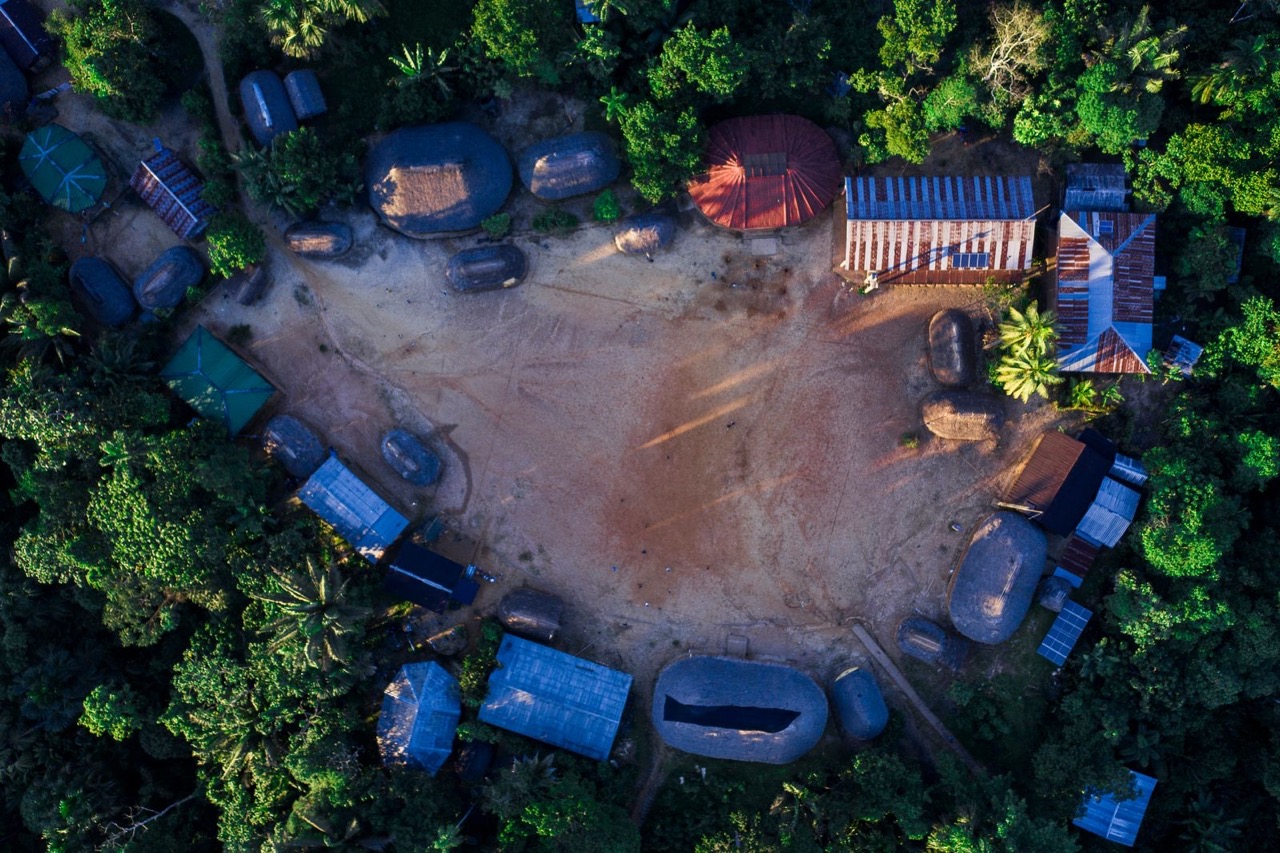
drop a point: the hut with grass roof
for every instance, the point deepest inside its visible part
(420, 714)
(102, 291)
(305, 95)
(531, 614)
(486, 268)
(266, 106)
(319, 240)
(953, 353)
(963, 415)
(164, 284)
(566, 166)
(644, 233)
(859, 703)
(410, 458)
(294, 445)
(992, 588)
(926, 640)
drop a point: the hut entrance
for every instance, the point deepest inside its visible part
(738, 717)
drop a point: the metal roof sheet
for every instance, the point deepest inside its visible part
(427, 578)
(353, 509)
(1059, 481)
(946, 197)
(420, 713)
(1110, 514)
(1117, 820)
(63, 169)
(1064, 633)
(170, 189)
(1096, 186)
(216, 382)
(22, 32)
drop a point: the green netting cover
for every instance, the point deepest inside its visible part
(216, 382)
(63, 168)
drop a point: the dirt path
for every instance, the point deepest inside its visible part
(648, 789)
(206, 36)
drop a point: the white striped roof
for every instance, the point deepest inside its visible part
(945, 197)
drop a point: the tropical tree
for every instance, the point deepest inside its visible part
(424, 66)
(314, 608)
(1028, 330)
(1022, 373)
(300, 27)
(110, 49)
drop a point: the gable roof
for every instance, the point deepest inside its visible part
(1117, 820)
(63, 168)
(354, 510)
(1059, 481)
(216, 382)
(428, 579)
(943, 197)
(22, 32)
(1110, 514)
(420, 713)
(1096, 186)
(170, 189)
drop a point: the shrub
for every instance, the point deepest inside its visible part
(554, 220)
(497, 226)
(108, 48)
(606, 207)
(234, 243)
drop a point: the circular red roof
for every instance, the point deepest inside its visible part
(766, 172)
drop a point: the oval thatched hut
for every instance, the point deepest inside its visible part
(644, 233)
(266, 106)
(486, 268)
(410, 458)
(992, 588)
(1053, 592)
(305, 95)
(164, 284)
(859, 703)
(532, 614)
(565, 166)
(319, 240)
(953, 353)
(102, 291)
(737, 709)
(928, 641)
(294, 445)
(963, 415)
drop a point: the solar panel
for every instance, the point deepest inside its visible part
(1066, 630)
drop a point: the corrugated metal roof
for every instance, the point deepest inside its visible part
(216, 382)
(556, 698)
(355, 511)
(170, 189)
(1117, 820)
(1096, 186)
(1183, 354)
(1128, 469)
(942, 197)
(1110, 514)
(428, 579)
(1064, 633)
(1078, 556)
(1059, 480)
(420, 713)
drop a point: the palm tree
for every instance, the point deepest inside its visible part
(1022, 373)
(1247, 60)
(1150, 56)
(615, 104)
(314, 609)
(526, 781)
(419, 66)
(1029, 330)
(297, 26)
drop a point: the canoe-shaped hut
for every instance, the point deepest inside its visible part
(996, 579)
(266, 106)
(928, 641)
(319, 240)
(531, 614)
(644, 233)
(305, 95)
(410, 458)
(486, 268)
(963, 415)
(164, 284)
(294, 445)
(953, 355)
(859, 703)
(566, 166)
(102, 291)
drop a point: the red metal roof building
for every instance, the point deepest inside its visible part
(170, 189)
(766, 172)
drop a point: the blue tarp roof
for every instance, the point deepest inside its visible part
(1064, 633)
(586, 12)
(362, 518)
(1117, 820)
(556, 698)
(420, 713)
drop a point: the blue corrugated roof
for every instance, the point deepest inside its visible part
(420, 713)
(556, 698)
(986, 198)
(1117, 820)
(362, 518)
(1064, 633)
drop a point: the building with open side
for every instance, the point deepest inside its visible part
(355, 511)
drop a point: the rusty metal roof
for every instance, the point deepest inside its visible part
(1059, 482)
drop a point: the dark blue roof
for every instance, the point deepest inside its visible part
(1117, 820)
(420, 713)
(428, 579)
(860, 704)
(266, 106)
(102, 291)
(586, 11)
(1064, 633)
(304, 93)
(362, 518)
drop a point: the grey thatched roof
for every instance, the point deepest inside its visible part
(164, 284)
(486, 268)
(102, 291)
(1053, 592)
(305, 95)
(963, 415)
(930, 642)
(531, 613)
(644, 233)
(13, 87)
(248, 284)
(992, 588)
(294, 445)
(737, 709)
(440, 177)
(420, 713)
(859, 703)
(319, 239)
(266, 106)
(953, 357)
(565, 166)
(410, 458)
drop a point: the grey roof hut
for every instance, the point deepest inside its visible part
(102, 291)
(305, 95)
(13, 87)
(953, 356)
(437, 178)
(740, 710)
(566, 166)
(928, 641)
(644, 233)
(963, 415)
(1053, 592)
(410, 458)
(531, 614)
(1096, 186)
(859, 703)
(420, 713)
(250, 283)
(266, 106)
(294, 445)
(319, 240)
(486, 268)
(996, 579)
(164, 284)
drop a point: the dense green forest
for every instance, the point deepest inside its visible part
(189, 663)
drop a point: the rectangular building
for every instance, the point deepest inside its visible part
(354, 510)
(170, 189)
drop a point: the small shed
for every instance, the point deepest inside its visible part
(169, 188)
(102, 291)
(1114, 819)
(63, 168)
(953, 352)
(266, 106)
(644, 233)
(22, 32)
(428, 579)
(1058, 482)
(354, 510)
(420, 714)
(486, 268)
(859, 703)
(1096, 186)
(928, 641)
(556, 698)
(319, 240)
(566, 166)
(410, 458)
(13, 88)
(963, 415)
(305, 95)
(1182, 355)
(164, 284)
(294, 445)
(216, 382)
(992, 587)
(531, 613)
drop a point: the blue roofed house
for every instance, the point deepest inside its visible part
(556, 698)
(1113, 819)
(266, 106)
(354, 510)
(420, 713)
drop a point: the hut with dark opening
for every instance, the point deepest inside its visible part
(319, 240)
(566, 166)
(102, 291)
(294, 445)
(644, 233)
(963, 415)
(22, 33)
(13, 88)
(486, 268)
(859, 703)
(531, 614)
(996, 579)
(420, 713)
(739, 710)
(305, 95)
(410, 458)
(928, 641)
(266, 106)
(437, 178)
(164, 284)
(953, 351)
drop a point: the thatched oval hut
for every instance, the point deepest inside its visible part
(928, 641)
(737, 709)
(102, 291)
(531, 614)
(993, 585)
(486, 268)
(266, 106)
(249, 284)
(164, 284)
(963, 415)
(644, 233)
(1053, 592)
(305, 95)
(319, 240)
(859, 703)
(953, 353)
(566, 166)
(410, 458)
(294, 445)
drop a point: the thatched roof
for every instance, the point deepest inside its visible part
(486, 268)
(305, 95)
(644, 233)
(531, 613)
(420, 713)
(953, 357)
(992, 588)
(164, 284)
(737, 709)
(248, 284)
(294, 445)
(266, 106)
(930, 642)
(440, 177)
(565, 166)
(102, 292)
(963, 415)
(319, 239)
(13, 87)
(1053, 592)
(410, 458)
(859, 703)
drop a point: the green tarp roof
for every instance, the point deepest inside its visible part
(216, 382)
(63, 168)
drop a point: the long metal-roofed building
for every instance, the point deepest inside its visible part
(556, 698)
(170, 189)
(420, 713)
(939, 229)
(1115, 819)
(355, 511)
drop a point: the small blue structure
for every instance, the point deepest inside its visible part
(429, 579)
(362, 518)
(586, 11)
(420, 713)
(1117, 820)
(859, 703)
(305, 94)
(1064, 633)
(266, 107)
(556, 698)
